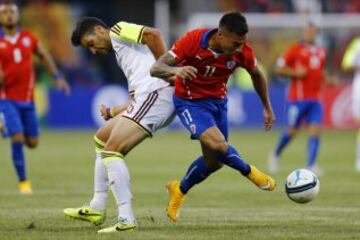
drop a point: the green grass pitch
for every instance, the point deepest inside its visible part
(226, 206)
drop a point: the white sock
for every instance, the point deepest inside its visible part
(101, 185)
(119, 180)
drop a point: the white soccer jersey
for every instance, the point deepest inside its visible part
(136, 60)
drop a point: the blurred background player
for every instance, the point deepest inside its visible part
(202, 60)
(303, 63)
(351, 63)
(17, 81)
(150, 109)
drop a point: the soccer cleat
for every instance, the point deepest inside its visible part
(176, 198)
(273, 162)
(119, 227)
(87, 214)
(25, 187)
(261, 180)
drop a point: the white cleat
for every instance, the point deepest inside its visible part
(273, 163)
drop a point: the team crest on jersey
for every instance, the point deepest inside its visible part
(230, 64)
(26, 42)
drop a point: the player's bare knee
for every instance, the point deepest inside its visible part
(292, 132)
(314, 130)
(18, 138)
(218, 145)
(115, 147)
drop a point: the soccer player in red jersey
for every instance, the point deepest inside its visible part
(202, 61)
(17, 82)
(303, 63)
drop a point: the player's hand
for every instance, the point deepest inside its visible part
(171, 79)
(186, 72)
(61, 84)
(269, 119)
(300, 72)
(104, 112)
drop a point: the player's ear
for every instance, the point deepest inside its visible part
(98, 29)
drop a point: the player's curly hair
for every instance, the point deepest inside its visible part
(234, 22)
(84, 26)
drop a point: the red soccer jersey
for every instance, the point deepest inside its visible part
(312, 58)
(213, 68)
(16, 63)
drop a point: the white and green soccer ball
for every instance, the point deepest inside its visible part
(302, 186)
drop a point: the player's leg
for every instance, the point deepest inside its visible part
(356, 116)
(15, 130)
(214, 141)
(314, 119)
(125, 135)
(31, 129)
(203, 126)
(95, 212)
(294, 115)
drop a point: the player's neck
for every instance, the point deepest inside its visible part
(213, 45)
(10, 31)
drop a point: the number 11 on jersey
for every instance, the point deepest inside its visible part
(209, 71)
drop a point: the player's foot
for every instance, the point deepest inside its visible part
(121, 226)
(176, 198)
(87, 214)
(261, 180)
(317, 170)
(25, 187)
(273, 162)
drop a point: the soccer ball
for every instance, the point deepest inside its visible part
(302, 185)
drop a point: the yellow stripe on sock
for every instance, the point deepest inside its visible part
(99, 145)
(107, 156)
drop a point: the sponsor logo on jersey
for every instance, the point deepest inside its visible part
(26, 42)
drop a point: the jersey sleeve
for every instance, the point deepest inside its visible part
(288, 58)
(128, 32)
(184, 46)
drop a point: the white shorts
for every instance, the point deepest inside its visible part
(152, 111)
(356, 99)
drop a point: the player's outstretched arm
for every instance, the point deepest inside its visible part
(261, 87)
(50, 65)
(165, 68)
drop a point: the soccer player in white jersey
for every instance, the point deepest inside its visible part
(136, 48)
(351, 63)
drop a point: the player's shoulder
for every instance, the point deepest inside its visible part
(196, 34)
(28, 33)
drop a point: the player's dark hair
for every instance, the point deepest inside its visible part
(234, 22)
(84, 26)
